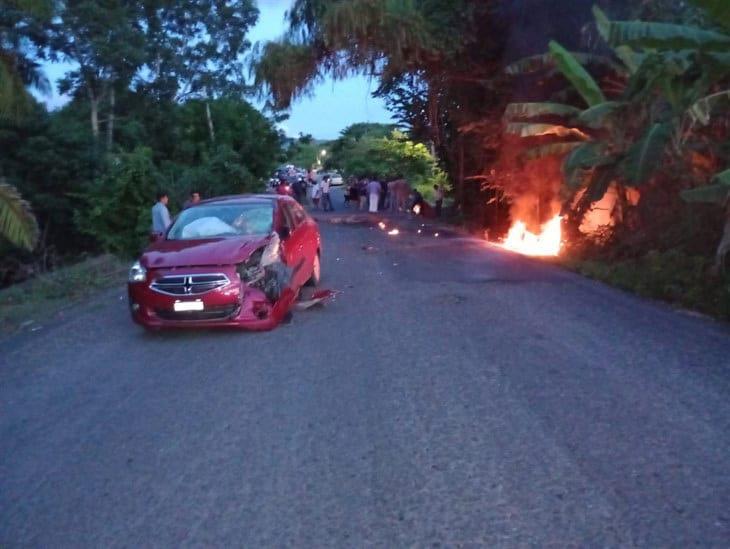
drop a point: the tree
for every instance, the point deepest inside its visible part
(105, 40)
(195, 48)
(21, 23)
(636, 135)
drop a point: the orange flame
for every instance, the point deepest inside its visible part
(547, 242)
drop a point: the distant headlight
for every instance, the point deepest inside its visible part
(137, 273)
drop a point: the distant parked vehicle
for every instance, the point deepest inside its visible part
(335, 178)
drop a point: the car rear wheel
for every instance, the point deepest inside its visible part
(316, 272)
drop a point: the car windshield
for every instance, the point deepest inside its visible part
(222, 220)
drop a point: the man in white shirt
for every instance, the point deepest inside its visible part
(160, 214)
(374, 194)
(326, 200)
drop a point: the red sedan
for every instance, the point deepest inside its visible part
(235, 261)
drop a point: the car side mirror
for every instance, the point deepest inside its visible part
(284, 233)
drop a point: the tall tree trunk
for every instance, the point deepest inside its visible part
(110, 120)
(94, 104)
(209, 118)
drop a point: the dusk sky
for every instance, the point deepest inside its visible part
(333, 106)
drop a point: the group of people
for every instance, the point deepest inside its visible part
(396, 195)
(367, 193)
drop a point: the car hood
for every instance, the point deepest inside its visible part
(200, 253)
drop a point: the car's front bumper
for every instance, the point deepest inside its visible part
(235, 305)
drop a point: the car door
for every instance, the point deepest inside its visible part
(293, 245)
(309, 235)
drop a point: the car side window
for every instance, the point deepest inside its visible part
(287, 218)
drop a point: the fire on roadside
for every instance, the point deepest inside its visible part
(545, 243)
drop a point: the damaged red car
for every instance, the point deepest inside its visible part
(235, 261)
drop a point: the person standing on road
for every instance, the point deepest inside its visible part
(316, 193)
(300, 190)
(362, 188)
(160, 214)
(439, 193)
(374, 194)
(383, 195)
(326, 200)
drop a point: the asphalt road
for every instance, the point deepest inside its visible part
(452, 395)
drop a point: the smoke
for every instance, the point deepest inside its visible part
(532, 187)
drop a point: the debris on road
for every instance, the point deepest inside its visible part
(369, 248)
(318, 298)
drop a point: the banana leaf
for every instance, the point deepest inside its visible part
(602, 179)
(715, 193)
(701, 111)
(595, 117)
(719, 10)
(17, 222)
(546, 61)
(584, 83)
(645, 155)
(526, 129)
(661, 36)
(630, 58)
(528, 111)
(582, 160)
(552, 149)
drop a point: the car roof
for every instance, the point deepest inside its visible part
(245, 199)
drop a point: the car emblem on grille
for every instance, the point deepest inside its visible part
(188, 287)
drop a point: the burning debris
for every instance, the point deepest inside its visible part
(545, 243)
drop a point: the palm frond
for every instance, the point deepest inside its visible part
(17, 222)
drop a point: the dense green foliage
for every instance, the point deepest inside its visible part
(85, 201)
(382, 152)
(156, 90)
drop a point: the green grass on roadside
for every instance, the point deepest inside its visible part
(672, 276)
(31, 302)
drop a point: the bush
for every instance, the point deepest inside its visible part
(672, 275)
(116, 207)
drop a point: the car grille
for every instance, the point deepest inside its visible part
(195, 284)
(213, 313)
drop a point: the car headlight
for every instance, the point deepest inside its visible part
(137, 273)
